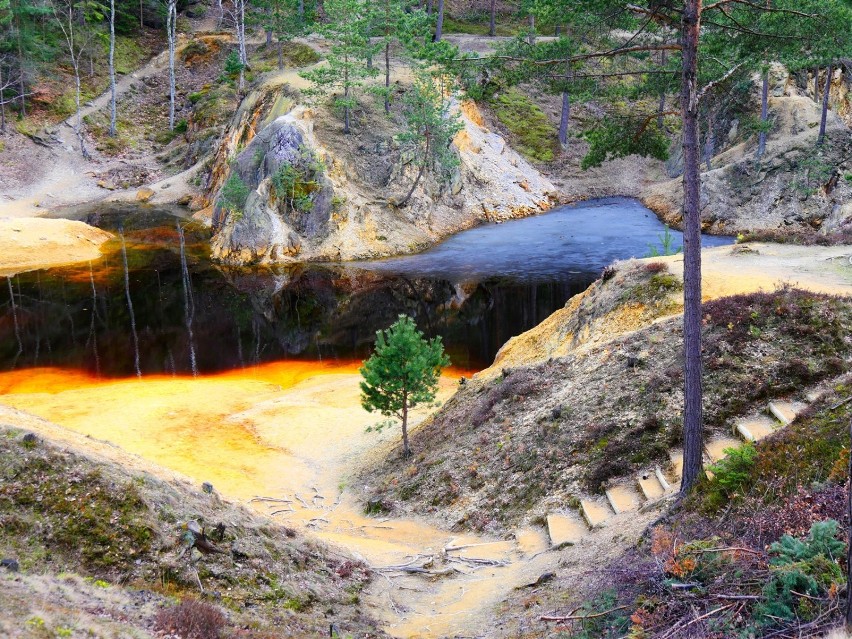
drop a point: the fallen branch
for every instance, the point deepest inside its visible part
(582, 617)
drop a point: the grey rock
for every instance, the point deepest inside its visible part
(10, 564)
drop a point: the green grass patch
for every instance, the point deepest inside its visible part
(534, 136)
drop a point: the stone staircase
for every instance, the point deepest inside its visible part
(654, 484)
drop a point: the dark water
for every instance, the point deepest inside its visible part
(476, 290)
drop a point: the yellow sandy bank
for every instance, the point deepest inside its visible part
(31, 243)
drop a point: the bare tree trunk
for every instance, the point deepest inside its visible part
(387, 76)
(531, 36)
(112, 109)
(492, 20)
(419, 173)
(825, 96)
(22, 91)
(662, 105)
(346, 97)
(764, 115)
(564, 118)
(141, 20)
(816, 84)
(2, 102)
(693, 445)
(429, 7)
(709, 142)
(406, 449)
(848, 615)
(439, 25)
(171, 27)
(78, 127)
(302, 9)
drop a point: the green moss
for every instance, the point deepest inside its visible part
(535, 137)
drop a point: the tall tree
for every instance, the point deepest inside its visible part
(71, 19)
(706, 41)
(171, 34)
(112, 106)
(402, 373)
(439, 22)
(347, 68)
(492, 19)
(430, 129)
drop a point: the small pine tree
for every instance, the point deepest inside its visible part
(347, 30)
(402, 373)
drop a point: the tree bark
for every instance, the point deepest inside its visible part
(439, 25)
(406, 449)
(764, 114)
(709, 143)
(419, 173)
(531, 36)
(693, 445)
(346, 97)
(2, 102)
(662, 105)
(564, 118)
(824, 114)
(492, 19)
(112, 108)
(816, 84)
(848, 615)
(387, 76)
(171, 27)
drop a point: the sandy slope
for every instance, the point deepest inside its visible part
(33, 243)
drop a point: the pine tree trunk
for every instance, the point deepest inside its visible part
(112, 108)
(406, 449)
(692, 412)
(764, 115)
(492, 20)
(848, 615)
(816, 84)
(346, 108)
(564, 118)
(429, 7)
(531, 36)
(419, 173)
(387, 76)
(2, 103)
(709, 142)
(439, 25)
(22, 91)
(825, 96)
(171, 19)
(662, 105)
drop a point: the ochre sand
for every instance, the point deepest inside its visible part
(35, 242)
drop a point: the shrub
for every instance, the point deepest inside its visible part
(191, 619)
(735, 469)
(234, 193)
(801, 567)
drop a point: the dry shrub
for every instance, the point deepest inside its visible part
(656, 267)
(191, 619)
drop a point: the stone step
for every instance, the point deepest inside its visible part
(594, 513)
(623, 499)
(658, 472)
(786, 412)
(651, 486)
(716, 448)
(676, 458)
(564, 530)
(755, 428)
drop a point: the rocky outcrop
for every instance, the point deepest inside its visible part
(796, 186)
(289, 197)
(346, 209)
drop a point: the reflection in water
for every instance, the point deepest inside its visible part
(154, 303)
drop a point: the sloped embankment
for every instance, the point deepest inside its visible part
(516, 442)
(102, 548)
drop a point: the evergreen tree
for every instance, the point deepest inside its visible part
(429, 131)
(346, 67)
(402, 373)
